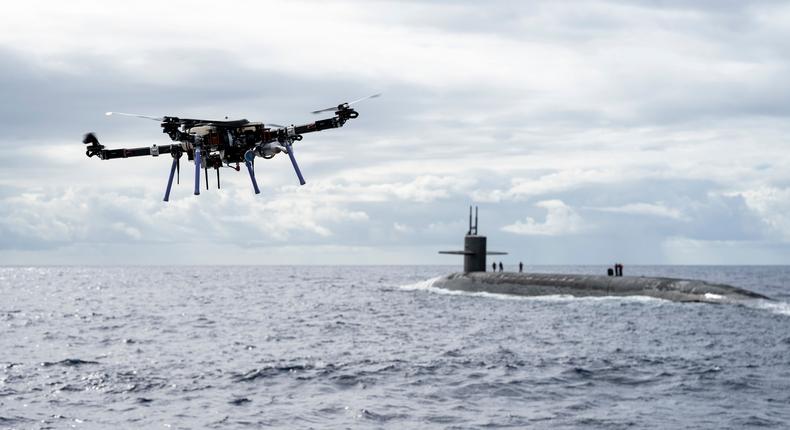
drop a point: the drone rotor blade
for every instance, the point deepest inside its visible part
(293, 161)
(273, 125)
(334, 109)
(155, 118)
(373, 96)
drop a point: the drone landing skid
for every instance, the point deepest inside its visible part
(197, 171)
(249, 161)
(251, 171)
(174, 168)
(290, 149)
(170, 180)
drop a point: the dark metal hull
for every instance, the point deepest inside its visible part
(542, 284)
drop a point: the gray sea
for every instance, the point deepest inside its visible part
(379, 347)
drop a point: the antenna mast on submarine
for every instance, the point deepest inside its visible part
(472, 227)
(469, 232)
(470, 208)
(474, 248)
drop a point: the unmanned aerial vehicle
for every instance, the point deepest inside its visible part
(213, 144)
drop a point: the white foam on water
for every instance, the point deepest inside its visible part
(421, 285)
(712, 296)
(427, 285)
(779, 308)
(637, 299)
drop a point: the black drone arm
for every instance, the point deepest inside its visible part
(94, 148)
(341, 116)
(155, 150)
(323, 124)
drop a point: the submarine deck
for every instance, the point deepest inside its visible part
(539, 284)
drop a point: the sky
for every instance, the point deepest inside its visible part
(587, 132)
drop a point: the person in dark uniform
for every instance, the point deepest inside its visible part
(500, 266)
(520, 267)
(493, 266)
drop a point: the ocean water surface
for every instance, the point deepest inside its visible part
(379, 347)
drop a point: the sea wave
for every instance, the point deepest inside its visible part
(327, 347)
(778, 308)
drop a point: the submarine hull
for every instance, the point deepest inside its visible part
(543, 284)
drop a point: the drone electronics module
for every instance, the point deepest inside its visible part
(215, 144)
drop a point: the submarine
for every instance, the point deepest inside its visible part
(476, 279)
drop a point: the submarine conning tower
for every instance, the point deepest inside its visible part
(474, 248)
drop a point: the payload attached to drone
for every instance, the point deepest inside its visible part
(215, 144)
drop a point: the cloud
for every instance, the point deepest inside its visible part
(681, 250)
(353, 187)
(653, 120)
(649, 209)
(772, 205)
(79, 215)
(401, 228)
(560, 220)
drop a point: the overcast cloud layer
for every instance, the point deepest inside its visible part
(588, 132)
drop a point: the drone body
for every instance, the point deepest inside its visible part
(216, 144)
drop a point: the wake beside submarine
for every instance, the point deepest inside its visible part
(475, 279)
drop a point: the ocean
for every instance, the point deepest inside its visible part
(379, 347)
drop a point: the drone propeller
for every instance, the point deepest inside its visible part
(372, 96)
(345, 105)
(273, 125)
(155, 118)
